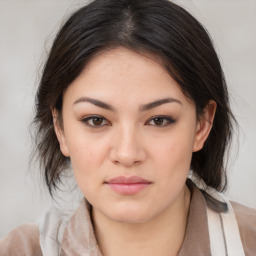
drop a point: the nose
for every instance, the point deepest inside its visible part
(127, 149)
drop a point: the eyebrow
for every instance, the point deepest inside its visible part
(142, 108)
(158, 103)
(95, 102)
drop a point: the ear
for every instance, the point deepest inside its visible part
(204, 125)
(60, 133)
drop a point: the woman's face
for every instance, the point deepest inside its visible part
(130, 133)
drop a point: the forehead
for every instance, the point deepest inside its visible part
(125, 58)
(126, 74)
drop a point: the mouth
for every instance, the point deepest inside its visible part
(128, 185)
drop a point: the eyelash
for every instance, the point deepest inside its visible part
(167, 120)
(87, 119)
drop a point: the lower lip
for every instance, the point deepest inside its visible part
(128, 189)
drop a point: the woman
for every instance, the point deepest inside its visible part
(133, 97)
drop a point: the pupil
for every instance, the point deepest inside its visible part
(97, 121)
(158, 121)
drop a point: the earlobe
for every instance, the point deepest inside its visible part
(204, 125)
(60, 133)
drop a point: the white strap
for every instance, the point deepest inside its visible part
(224, 232)
(217, 238)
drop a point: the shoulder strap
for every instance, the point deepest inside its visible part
(223, 230)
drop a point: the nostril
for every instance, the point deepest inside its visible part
(127, 162)
(137, 162)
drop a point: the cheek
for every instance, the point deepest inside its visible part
(172, 165)
(174, 151)
(85, 156)
(85, 149)
(86, 159)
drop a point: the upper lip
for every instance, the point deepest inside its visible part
(128, 180)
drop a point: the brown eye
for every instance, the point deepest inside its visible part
(158, 121)
(95, 121)
(161, 121)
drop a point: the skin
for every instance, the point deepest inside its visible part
(128, 140)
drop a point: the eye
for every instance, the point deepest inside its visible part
(95, 121)
(161, 121)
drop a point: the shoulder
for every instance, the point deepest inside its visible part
(246, 219)
(24, 240)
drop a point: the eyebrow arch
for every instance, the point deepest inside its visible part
(158, 103)
(142, 108)
(95, 102)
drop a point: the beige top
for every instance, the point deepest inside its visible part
(79, 239)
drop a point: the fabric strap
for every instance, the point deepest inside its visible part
(224, 232)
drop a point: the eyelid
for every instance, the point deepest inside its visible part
(170, 120)
(85, 120)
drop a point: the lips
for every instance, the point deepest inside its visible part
(128, 185)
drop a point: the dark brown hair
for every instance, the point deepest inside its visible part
(159, 27)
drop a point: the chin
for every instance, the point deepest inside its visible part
(130, 215)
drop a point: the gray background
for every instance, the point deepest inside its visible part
(27, 28)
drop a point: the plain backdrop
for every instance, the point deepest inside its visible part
(27, 28)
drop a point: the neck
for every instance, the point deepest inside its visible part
(163, 235)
